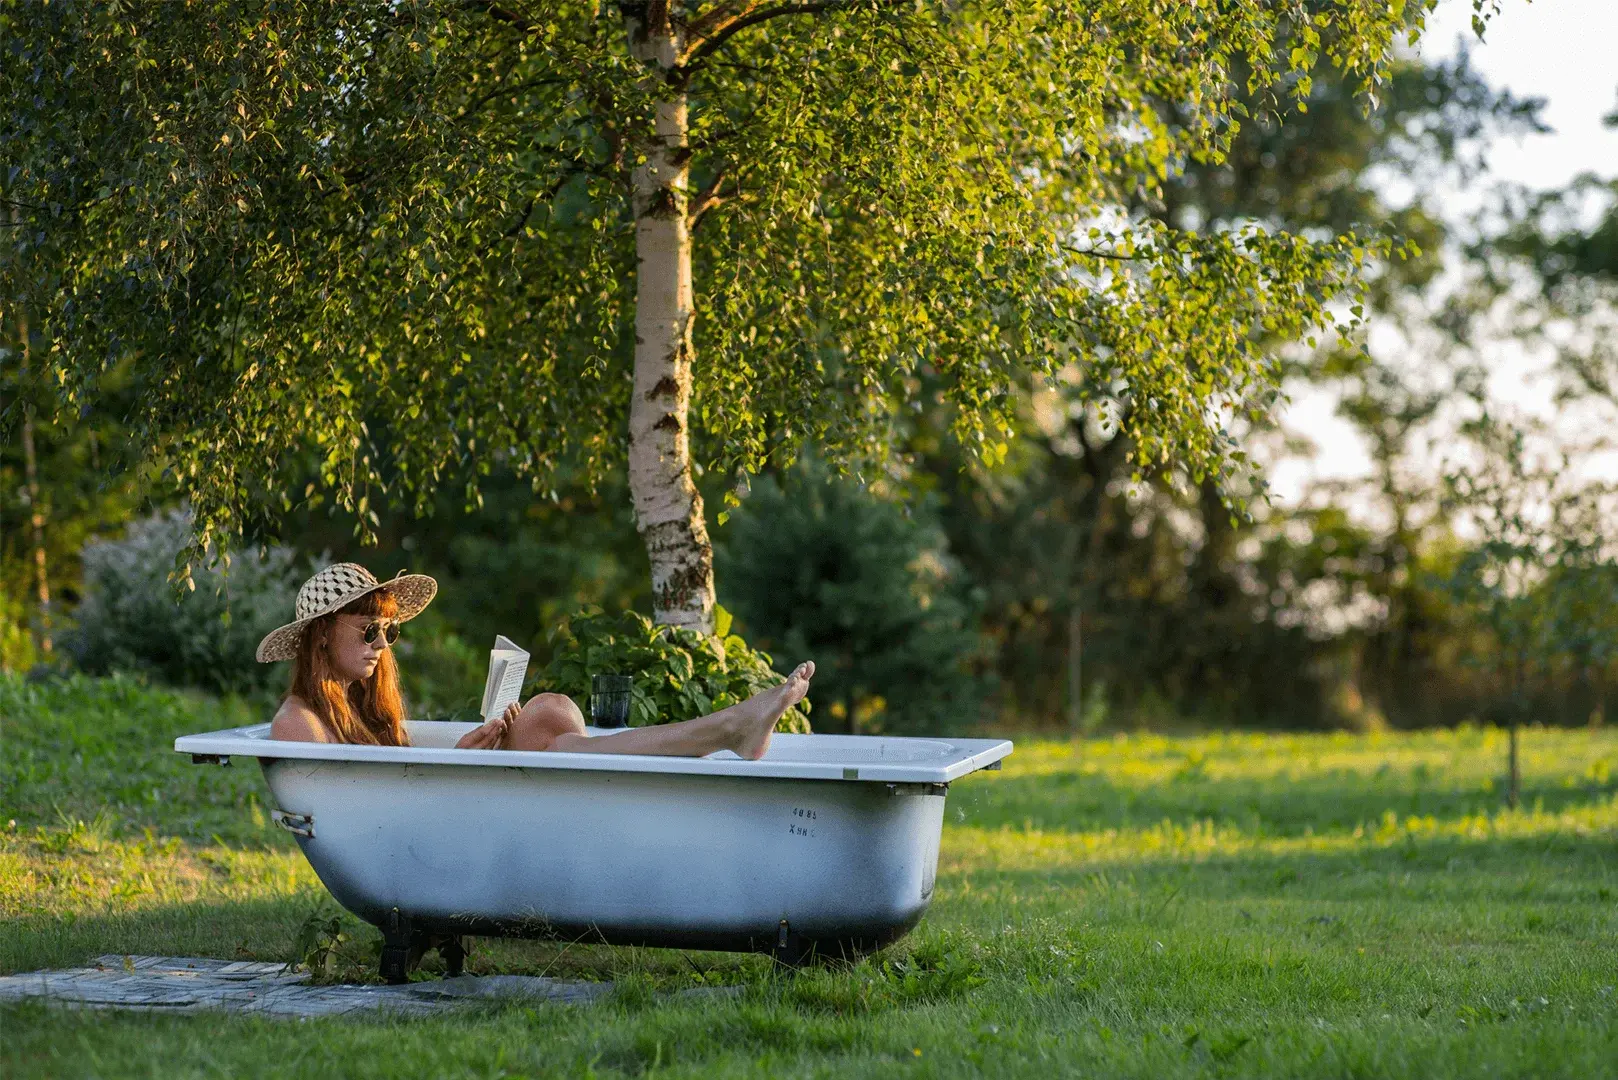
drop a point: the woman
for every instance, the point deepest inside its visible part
(345, 685)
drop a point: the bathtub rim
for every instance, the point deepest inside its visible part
(964, 756)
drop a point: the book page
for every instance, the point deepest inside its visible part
(491, 683)
(508, 664)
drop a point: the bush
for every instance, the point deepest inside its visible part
(17, 651)
(679, 674)
(823, 570)
(132, 620)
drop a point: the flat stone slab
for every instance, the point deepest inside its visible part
(187, 984)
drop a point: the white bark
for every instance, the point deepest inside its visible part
(668, 508)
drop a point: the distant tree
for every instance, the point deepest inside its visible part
(1567, 241)
(1168, 591)
(65, 479)
(1540, 576)
(416, 234)
(1557, 231)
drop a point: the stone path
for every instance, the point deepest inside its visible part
(190, 984)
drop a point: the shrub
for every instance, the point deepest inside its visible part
(679, 673)
(17, 651)
(132, 620)
(822, 569)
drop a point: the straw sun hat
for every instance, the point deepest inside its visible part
(335, 587)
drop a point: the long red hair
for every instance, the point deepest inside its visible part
(371, 710)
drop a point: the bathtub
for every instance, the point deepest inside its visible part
(829, 845)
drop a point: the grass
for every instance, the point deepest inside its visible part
(1226, 905)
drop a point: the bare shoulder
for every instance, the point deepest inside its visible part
(295, 721)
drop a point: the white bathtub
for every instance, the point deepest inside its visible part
(829, 844)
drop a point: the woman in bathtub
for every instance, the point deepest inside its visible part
(345, 685)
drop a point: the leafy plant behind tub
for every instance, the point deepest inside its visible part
(679, 673)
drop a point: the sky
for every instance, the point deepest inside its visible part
(1565, 51)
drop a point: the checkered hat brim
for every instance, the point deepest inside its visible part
(335, 587)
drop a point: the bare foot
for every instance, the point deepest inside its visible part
(754, 720)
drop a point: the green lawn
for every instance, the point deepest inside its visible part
(1229, 905)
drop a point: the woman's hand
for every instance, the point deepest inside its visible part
(490, 735)
(484, 736)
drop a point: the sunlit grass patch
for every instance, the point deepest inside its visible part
(1283, 784)
(1468, 755)
(83, 749)
(74, 891)
(80, 870)
(967, 848)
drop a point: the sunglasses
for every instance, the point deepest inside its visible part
(385, 627)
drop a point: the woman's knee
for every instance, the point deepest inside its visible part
(542, 719)
(557, 708)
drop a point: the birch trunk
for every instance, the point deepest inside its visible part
(668, 507)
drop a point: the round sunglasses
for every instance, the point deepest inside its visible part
(387, 628)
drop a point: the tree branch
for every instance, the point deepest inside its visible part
(709, 33)
(533, 200)
(522, 218)
(707, 199)
(717, 18)
(75, 208)
(525, 84)
(503, 14)
(1094, 253)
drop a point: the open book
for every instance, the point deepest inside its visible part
(508, 663)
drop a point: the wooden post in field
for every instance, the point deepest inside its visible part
(1512, 771)
(1075, 668)
(1511, 779)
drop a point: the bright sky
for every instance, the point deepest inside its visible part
(1560, 50)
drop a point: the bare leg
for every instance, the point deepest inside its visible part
(542, 720)
(553, 722)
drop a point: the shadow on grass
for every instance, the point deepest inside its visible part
(228, 929)
(267, 930)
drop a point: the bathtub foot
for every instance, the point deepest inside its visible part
(403, 946)
(395, 964)
(453, 950)
(791, 949)
(397, 942)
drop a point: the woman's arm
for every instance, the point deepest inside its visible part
(296, 722)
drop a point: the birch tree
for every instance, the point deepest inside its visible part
(393, 243)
